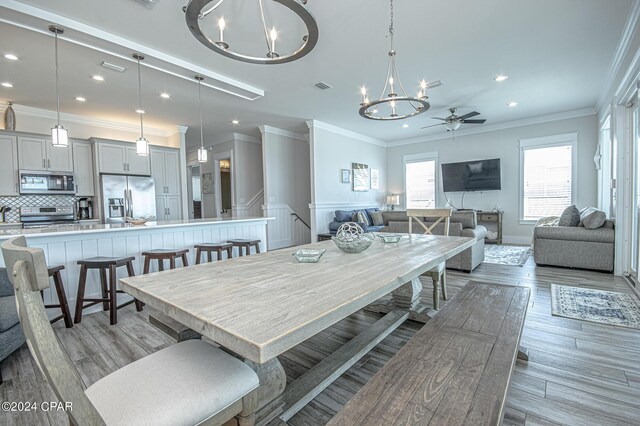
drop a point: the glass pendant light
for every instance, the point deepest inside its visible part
(142, 145)
(202, 152)
(59, 135)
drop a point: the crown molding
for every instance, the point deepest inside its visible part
(246, 138)
(622, 50)
(187, 69)
(95, 122)
(281, 132)
(498, 126)
(348, 133)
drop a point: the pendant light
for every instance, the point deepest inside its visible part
(202, 152)
(59, 135)
(142, 145)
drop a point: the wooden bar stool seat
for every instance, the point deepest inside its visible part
(246, 244)
(54, 272)
(109, 285)
(219, 248)
(164, 254)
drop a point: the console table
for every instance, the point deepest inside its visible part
(493, 222)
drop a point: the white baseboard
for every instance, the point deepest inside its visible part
(510, 239)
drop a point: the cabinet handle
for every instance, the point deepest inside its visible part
(44, 163)
(17, 190)
(166, 189)
(48, 163)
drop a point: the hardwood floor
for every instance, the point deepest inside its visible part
(579, 373)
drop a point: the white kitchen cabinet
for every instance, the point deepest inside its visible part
(40, 154)
(83, 168)
(165, 170)
(121, 158)
(168, 207)
(161, 208)
(137, 164)
(8, 166)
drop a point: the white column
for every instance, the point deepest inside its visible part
(181, 133)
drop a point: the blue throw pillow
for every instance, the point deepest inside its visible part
(344, 215)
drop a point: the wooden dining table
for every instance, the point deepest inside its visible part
(260, 306)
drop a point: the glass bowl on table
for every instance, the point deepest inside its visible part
(308, 255)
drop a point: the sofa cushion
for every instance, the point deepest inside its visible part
(8, 313)
(395, 216)
(574, 233)
(376, 218)
(468, 219)
(6, 288)
(569, 217)
(344, 215)
(594, 220)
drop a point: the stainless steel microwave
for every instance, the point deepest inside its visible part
(35, 182)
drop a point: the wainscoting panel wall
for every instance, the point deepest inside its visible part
(286, 230)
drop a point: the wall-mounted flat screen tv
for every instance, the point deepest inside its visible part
(480, 175)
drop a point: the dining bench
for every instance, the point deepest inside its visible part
(453, 371)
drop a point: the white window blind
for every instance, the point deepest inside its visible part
(547, 186)
(420, 181)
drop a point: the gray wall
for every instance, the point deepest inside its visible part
(504, 144)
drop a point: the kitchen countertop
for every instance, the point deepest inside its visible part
(100, 228)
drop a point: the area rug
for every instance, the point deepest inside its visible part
(506, 255)
(605, 307)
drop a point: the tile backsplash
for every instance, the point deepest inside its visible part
(34, 200)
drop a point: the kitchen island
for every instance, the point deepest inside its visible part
(65, 245)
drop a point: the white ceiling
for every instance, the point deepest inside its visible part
(556, 53)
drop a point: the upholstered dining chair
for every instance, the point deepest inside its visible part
(188, 383)
(433, 217)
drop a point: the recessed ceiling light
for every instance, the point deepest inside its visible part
(140, 111)
(235, 122)
(512, 104)
(97, 77)
(165, 95)
(501, 77)
(11, 57)
(80, 99)
(405, 125)
(6, 84)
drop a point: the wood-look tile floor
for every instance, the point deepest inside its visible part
(579, 373)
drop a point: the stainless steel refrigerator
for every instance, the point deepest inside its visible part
(127, 196)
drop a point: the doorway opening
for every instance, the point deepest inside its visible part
(196, 192)
(225, 187)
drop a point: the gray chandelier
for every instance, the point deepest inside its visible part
(197, 10)
(401, 105)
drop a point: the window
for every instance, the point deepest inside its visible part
(420, 174)
(547, 170)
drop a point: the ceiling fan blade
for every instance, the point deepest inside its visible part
(438, 118)
(433, 125)
(469, 115)
(473, 121)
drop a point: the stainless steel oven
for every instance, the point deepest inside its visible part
(36, 182)
(44, 217)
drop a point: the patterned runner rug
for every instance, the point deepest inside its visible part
(605, 307)
(506, 255)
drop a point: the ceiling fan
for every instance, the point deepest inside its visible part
(454, 121)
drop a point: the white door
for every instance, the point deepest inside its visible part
(172, 171)
(59, 159)
(8, 166)
(173, 207)
(83, 169)
(32, 154)
(157, 170)
(112, 158)
(161, 208)
(137, 164)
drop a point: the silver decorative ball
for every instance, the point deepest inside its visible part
(349, 231)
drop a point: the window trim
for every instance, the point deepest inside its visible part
(417, 158)
(566, 139)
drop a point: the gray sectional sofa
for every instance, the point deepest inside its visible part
(575, 246)
(11, 336)
(462, 224)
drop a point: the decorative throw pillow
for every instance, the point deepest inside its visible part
(361, 217)
(377, 218)
(569, 217)
(594, 220)
(344, 215)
